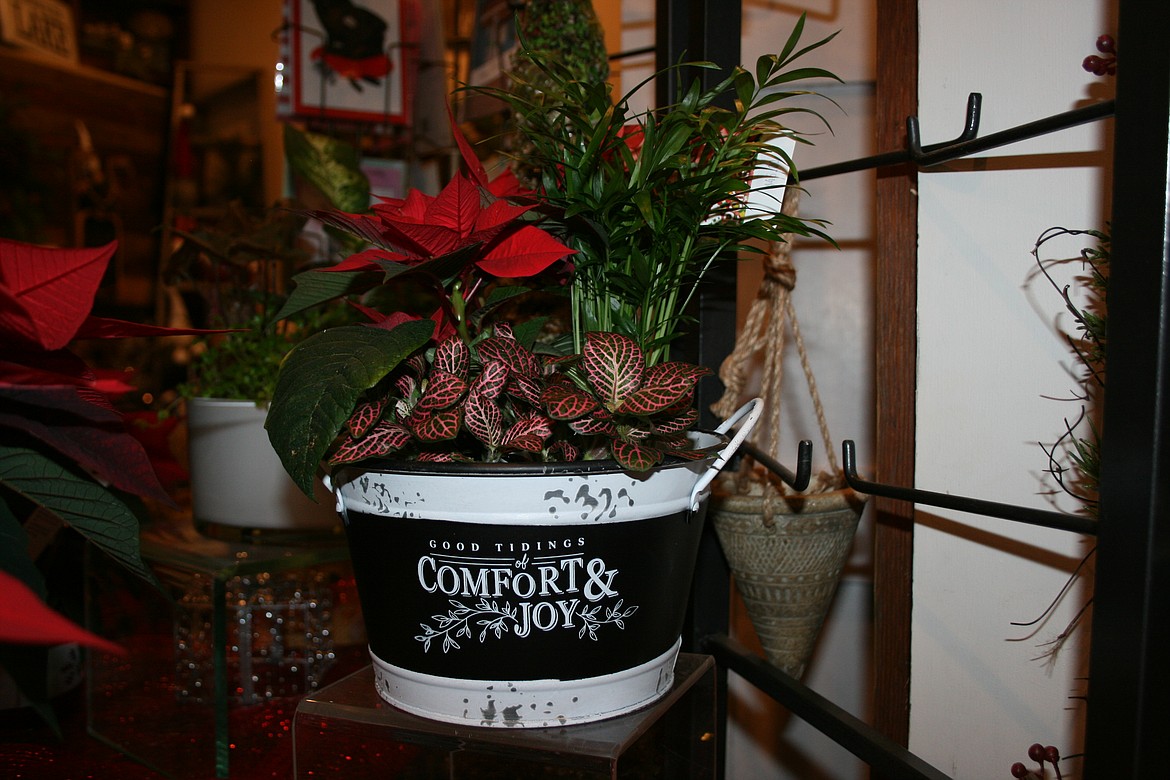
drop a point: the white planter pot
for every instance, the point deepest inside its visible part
(527, 595)
(237, 479)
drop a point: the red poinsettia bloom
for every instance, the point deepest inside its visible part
(473, 229)
(46, 391)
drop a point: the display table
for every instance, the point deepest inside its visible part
(216, 663)
(346, 730)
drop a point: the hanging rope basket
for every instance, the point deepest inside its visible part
(786, 549)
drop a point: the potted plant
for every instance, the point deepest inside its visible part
(518, 493)
(235, 272)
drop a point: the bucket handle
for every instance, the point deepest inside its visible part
(339, 507)
(750, 414)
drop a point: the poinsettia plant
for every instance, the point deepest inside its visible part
(620, 214)
(67, 457)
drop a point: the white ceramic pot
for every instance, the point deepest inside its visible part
(237, 479)
(527, 595)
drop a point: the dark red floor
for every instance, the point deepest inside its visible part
(29, 750)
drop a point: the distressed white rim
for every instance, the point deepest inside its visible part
(525, 703)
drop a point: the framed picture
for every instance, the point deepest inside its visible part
(46, 26)
(349, 60)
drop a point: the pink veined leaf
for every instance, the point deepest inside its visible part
(526, 443)
(492, 380)
(406, 385)
(650, 400)
(614, 366)
(418, 364)
(443, 391)
(364, 417)
(531, 424)
(436, 426)
(635, 456)
(453, 356)
(510, 353)
(589, 426)
(681, 407)
(383, 439)
(567, 402)
(686, 453)
(682, 422)
(484, 419)
(503, 330)
(553, 361)
(524, 387)
(675, 372)
(564, 451)
(638, 433)
(436, 457)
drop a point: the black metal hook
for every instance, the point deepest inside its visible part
(962, 147)
(968, 141)
(797, 481)
(1041, 517)
(920, 154)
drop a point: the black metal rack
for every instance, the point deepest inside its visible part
(1129, 686)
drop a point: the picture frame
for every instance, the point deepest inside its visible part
(351, 61)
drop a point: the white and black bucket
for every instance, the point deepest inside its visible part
(528, 595)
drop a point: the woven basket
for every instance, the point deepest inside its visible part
(786, 553)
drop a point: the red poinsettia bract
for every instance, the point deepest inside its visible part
(458, 238)
(48, 392)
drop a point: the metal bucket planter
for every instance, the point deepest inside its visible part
(238, 485)
(786, 553)
(527, 595)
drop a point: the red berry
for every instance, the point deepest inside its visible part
(1019, 770)
(1036, 753)
(1094, 64)
(1052, 754)
(1105, 44)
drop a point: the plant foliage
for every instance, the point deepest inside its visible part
(619, 215)
(651, 199)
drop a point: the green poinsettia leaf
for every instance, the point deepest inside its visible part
(91, 509)
(316, 287)
(320, 383)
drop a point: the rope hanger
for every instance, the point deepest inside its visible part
(764, 330)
